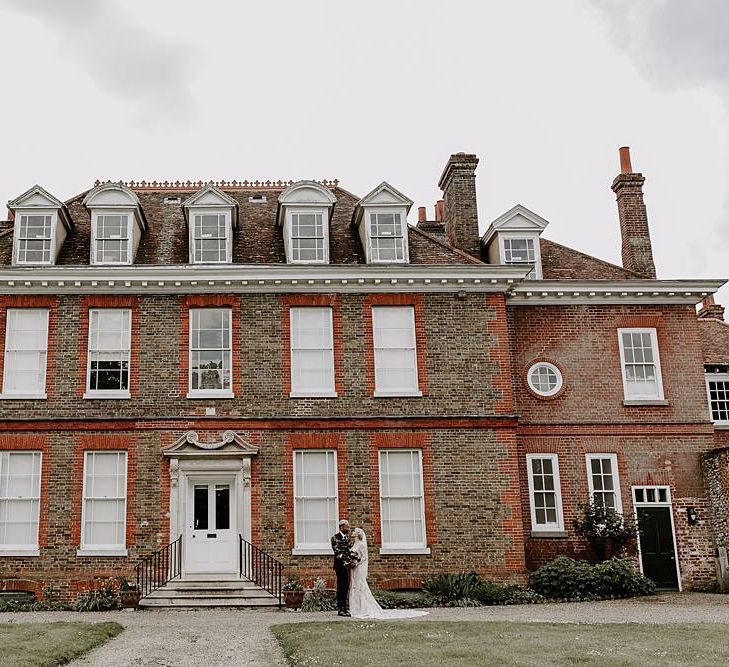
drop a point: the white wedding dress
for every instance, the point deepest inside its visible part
(362, 603)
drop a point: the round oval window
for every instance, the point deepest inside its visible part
(544, 379)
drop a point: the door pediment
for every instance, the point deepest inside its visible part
(191, 446)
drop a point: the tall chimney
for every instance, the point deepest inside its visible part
(628, 189)
(421, 214)
(460, 217)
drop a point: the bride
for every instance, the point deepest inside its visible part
(362, 603)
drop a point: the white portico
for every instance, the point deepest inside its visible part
(210, 502)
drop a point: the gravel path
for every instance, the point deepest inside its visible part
(240, 637)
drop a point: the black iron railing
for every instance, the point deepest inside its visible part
(263, 570)
(158, 568)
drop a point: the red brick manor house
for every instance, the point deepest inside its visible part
(200, 379)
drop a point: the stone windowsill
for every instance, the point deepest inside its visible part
(210, 394)
(395, 551)
(121, 395)
(312, 552)
(102, 553)
(553, 534)
(651, 401)
(23, 397)
(395, 394)
(304, 394)
(20, 552)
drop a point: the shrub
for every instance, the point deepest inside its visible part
(608, 532)
(319, 598)
(105, 598)
(293, 583)
(40, 605)
(453, 590)
(489, 594)
(402, 599)
(567, 579)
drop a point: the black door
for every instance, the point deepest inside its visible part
(656, 546)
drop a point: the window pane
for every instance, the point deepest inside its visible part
(26, 343)
(200, 507)
(19, 498)
(210, 357)
(104, 499)
(386, 237)
(315, 495)
(210, 238)
(222, 507)
(312, 354)
(401, 497)
(394, 349)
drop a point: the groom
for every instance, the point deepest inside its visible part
(342, 546)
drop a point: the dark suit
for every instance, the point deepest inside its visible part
(341, 546)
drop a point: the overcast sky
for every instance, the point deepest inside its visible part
(543, 92)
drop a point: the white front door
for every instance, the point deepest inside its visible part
(212, 539)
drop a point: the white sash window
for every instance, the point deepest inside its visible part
(210, 352)
(402, 508)
(211, 238)
(35, 239)
(20, 479)
(641, 364)
(26, 351)
(109, 352)
(312, 352)
(111, 239)
(396, 365)
(603, 482)
(104, 511)
(309, 237)
(386, 232)
(315, 499)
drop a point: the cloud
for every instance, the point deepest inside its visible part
(674, 44)
(149, 72)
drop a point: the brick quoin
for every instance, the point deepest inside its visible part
(332, 301)
(414, 300)
(108, 301)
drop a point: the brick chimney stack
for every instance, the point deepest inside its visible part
(460, 217)
(628, 189)
(711, 310)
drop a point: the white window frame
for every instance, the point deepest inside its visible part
(95, 236)
(32, 549)
(615, 475)
(41, 395)
(536, 272)
(109, 393)
(402, 547)
(16, 236)
(402, 391)
(657, 362)
(311, 548)
(103, 549)
(368, 213)
(558, 526)
(226, 212)
(210, 393)
(554, 369)
(716, 377)
(290, 212)
(303, 392)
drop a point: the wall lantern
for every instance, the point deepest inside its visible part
(691, 516)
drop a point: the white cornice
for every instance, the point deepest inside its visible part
(242, 278)
(566, 292)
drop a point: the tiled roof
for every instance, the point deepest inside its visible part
(561, 262)
(714, 341)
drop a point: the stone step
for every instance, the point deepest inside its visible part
(181, 603)
(237, 585)
(209, 593)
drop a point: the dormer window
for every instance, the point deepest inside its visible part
(117, 224)
(305, 210)
(111, 238)
(38, 235)
(382, 220)
(386, 235)
(211, 216)
(519, 250)
(513, 238)
(210, 238)
(35, 239)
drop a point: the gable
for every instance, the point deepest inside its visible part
(384, 194)
(35, 197)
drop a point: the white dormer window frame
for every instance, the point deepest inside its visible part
(536, 272)
(194, 212)
(291, 254)
(369, 222)
(128, 214)
(24, 214)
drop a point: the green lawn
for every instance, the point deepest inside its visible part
(445, 644)
(40, 644)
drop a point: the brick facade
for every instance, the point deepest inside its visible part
(474, 424)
